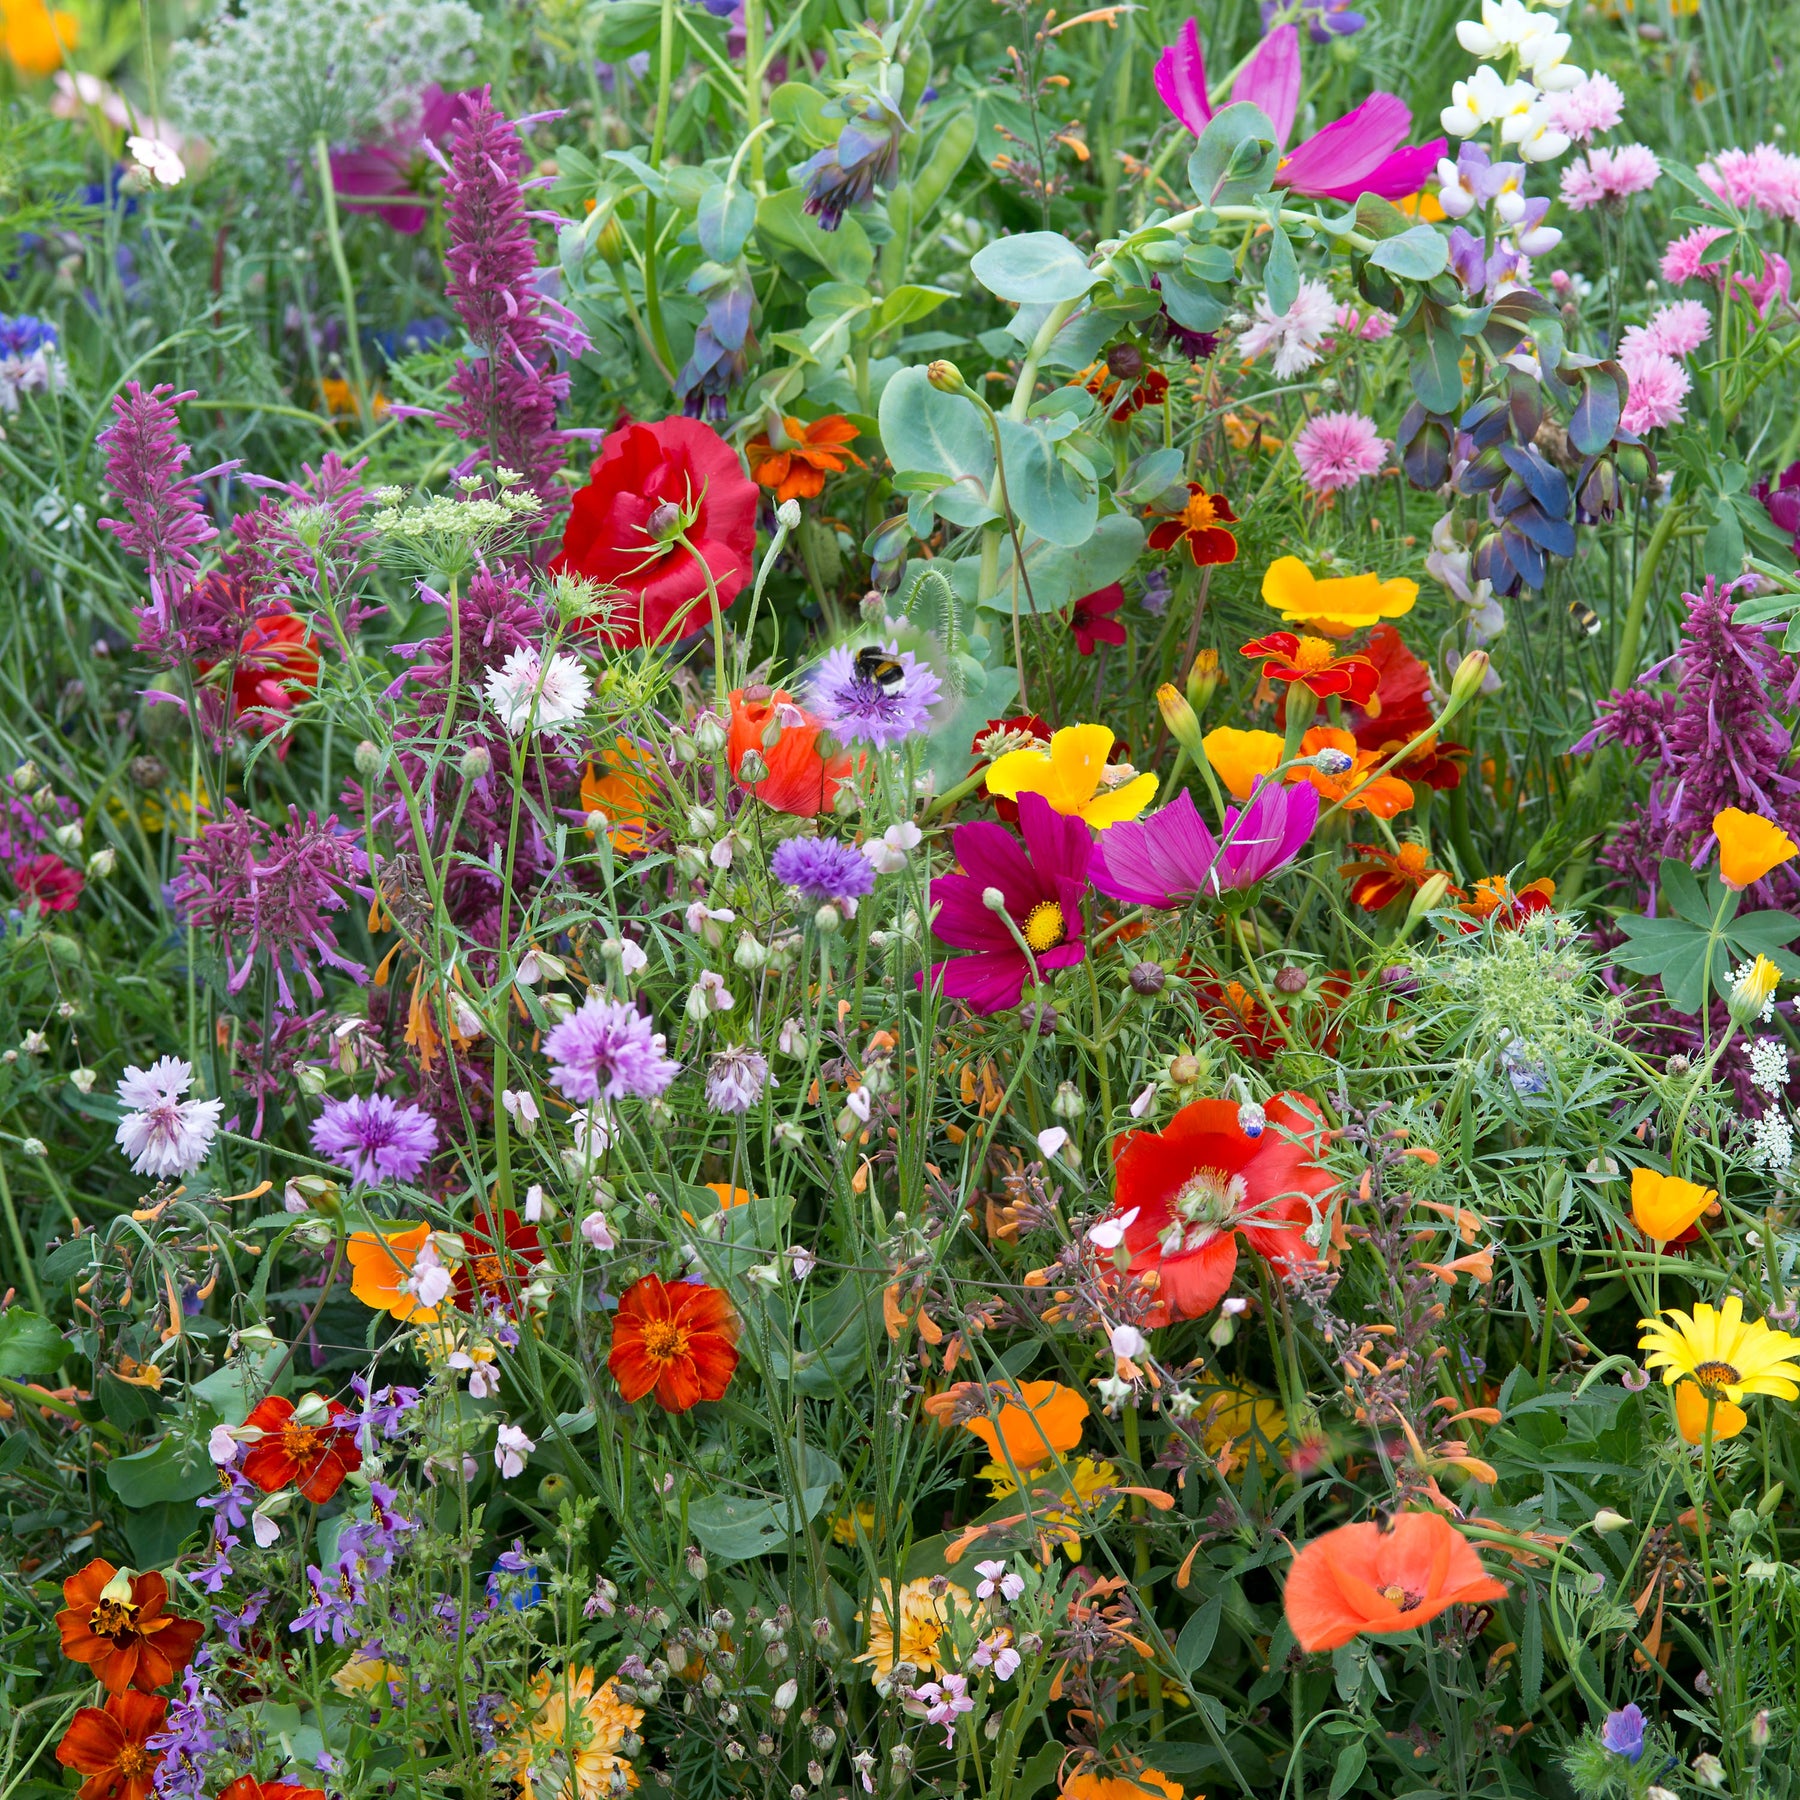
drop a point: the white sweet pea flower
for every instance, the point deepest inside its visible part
(511, 1447)
(1050, 1142)
(1109, 1234)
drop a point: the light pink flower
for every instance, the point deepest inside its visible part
(1295, 335)
(1337, 449)
(1371, 327)
(1659, 388)
(1674, 330)
(1685, 258)
(1591, 106)
(1765, 178)
(1606, 176)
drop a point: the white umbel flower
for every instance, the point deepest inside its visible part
(163, 1134)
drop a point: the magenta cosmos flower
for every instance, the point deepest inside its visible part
(1361, 153)
(1037, 885)
(391, 177)
(1170, 857)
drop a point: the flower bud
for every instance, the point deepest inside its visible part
(609, 243)
(102, 863)
(1179, 716)
(1427, 900)
(709, 734)
(751, 953)
(787, 1694)
(310, 1080)
(828, 919)
(946, 377)
(1606, 1521)
(787, 514)
(1750, 992)
(1329, 761)
(993, 899)
(368, 759)
(1068, 1102)
(1184, 1071)
(1203, 680)
(1252, 1120)
(752, 767)
(1147, 978)
(665, 519)
(476, 762)
(1465, 684)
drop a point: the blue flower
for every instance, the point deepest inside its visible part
(1623, 1733)
(513, 1579)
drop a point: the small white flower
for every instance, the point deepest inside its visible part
(801, 1260)
(521, 1108)
(221, 1446)
(1768, 1064)
(160, 161)
(1128, 1343)
(82, 1080)
(1234, 1306)
(533, 1210)
(1144, 1101)
(592, 1129)
(265, 1529)
(1050, 1142)
(428, 1280)
(708, 995)
(1109, 1234)
(525, 690)
(597, 1233)
(887, 854)
(34, 1043)
(1773, 1148)
(707, 922)
(511, 1447)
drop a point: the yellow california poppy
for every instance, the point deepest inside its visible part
(1073, 775)
(1238, 758)
(1346, 600)
(1664, 1206)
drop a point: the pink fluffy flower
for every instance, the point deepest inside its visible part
(1765, 178)
(1590, 107)
(1337, 449)
(1609, 177)
(1371, 327)
(1685, 258)
(1659, 388)
(1295, 335)
(1674, 330)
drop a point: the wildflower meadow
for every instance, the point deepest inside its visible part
(899, 898)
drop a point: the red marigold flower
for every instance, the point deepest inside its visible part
(797, 469)
(1200, 525)
(312, 1447)
(1402, 712)
(115, 1623)
(49, 881)
(108, 1746)
(1192, 1188)
(247, 1787)
(1314, 663)
(1379, 877)
(492, 1274)
(679, 1341)
(1128, 388)
(800, 781)
(1091, 620)
(650, 486)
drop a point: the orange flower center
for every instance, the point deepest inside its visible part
(302, 1442)
(114, 1618)
(1198, 514)
(664, 1341)
(488, 1272)
(1045, 927)
(1411, 859)
(1311, 654)
(134, 1760)
(1395, 1595)
(1715, 1377)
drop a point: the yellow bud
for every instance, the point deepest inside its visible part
(1179, 716)
(118, 1590)
(1750, 992)
(1427, 900)
(1203, 680)
(946, 377)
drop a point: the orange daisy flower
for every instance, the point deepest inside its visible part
(1379, 877)
(115, 1623)
(796, 470)
(678, 1341)
(108, 1747)
(1384, 796)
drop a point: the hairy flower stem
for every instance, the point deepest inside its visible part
(346, 287)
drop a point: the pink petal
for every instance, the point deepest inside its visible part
(990, 980)
(1271, 80)
(1395, 177)
(1181, 79)
(1339, 160)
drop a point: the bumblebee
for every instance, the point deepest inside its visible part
(1585, 619)
(880, 669)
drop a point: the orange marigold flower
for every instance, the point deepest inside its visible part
(796, 469)
(1130, 387)
(108, 1746)
(1200, 525)
(679, 1341)
(1134, 1782)
(247, 1787)
(1384, 796)
(1379, 877)
(1314, 663)
(311, 1446)
(1362, 1578)
(114, 1622)
(1494, 899)
(621, 789)
(1039, 1420)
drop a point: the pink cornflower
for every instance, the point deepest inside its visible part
(1765, 178)
(1659, 389)
(1295, 335)
(1590, 107)
(1337, 449)
(1678, 328)
(1610, 177)
(1685, 258)
(1371, 327)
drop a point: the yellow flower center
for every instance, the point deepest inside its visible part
(1312, 654)
(302, 1442)
(1044, 927)
(114, 1618)
(134, 1760)
(1198, 513)
(1395, 1595)
(664, 1342)
(1715, 1377)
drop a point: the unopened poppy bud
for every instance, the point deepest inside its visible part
(476, 762)
(1465, 684)
(1126, 361)
(787, 514)
(1147, 978)
(827, 919)
(1203, 680)
(368, 760)
(102, 863)
(1184, 1071)
(1606, 1521)
(1180, 717)
(752, 767)
(664, 520)
(946, 377)
(709, 734)
(1290, 978)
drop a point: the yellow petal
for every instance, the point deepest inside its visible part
(1122, 803)
(1288, 585)
(1019, 772)
(1078, 754)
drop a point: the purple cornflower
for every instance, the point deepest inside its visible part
(735, 1079)
(375, 1138)
(606, 1051)
(257, 887)
(188, 1739)
(861, 711)
(506, 395)
(824, 871)
(1623, 1733)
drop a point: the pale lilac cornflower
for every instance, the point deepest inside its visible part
(375, 1137)
(735, 1079)
(859, 711)
(1588, 108)
(529, 693)
(1766, 179)
(1609, 177)
(1659, 388)
(1684, 258)
(1336, 450)
(1295, 335)
(608, 1050)
(1673, 330)
(163, 1134)
(824, 872)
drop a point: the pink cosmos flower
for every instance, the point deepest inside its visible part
(1765, 178)
(1360, 153)
(1609, 177)
(1591, 106)
(389, 177)
(1337, 450)
(1171, 857)
(1658, 392)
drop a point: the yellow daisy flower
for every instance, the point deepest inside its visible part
(1073, 775)
(1725, 1355)
(1062, 1501)
(575, 1733)
(911, 1627)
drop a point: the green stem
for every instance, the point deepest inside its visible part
(18, 1237)
(1625, 663)
(346, 287)
(753, 86)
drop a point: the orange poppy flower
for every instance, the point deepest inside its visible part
(1135, 1782)
(1240, 759)
(1494, 899)
(1314, 663)
(108, 1746)
(247, 1787)
(295, 1451)
(1043, 1420)
(35, 38)
(115, 1623)
(1379, 877)
(1690, 1415)
(1665, 1207)
(380, 1263)
(1749, 847)
(679, 1341)
(1200, 525)
(1362, 1578)
(1384, 796)
(797, 469)
(800, 781)
(620, 791)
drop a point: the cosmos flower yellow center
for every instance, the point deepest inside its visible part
(1715, 1377)
(1044, 927)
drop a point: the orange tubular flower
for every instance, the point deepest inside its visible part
(1385, 796)
(115, 1623)
(108, 1747)
(1200, 525)
(1044, 1419)
(797, 469)
(1314, 663)
(620, 791)
(679, 1341)
(1494, 899)
(1360, 1578)
(296, 1451)
(1379, 877)
(800, 781)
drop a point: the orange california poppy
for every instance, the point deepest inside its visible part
(108, 1746)
(1133, 1782)
(1690, 1415)
(620, 790)
(1494, 899)
(679, 1340)
(247, 1787)
(293, 1451)
(800, 780)
(115, 1623)
(796, 470)
(1384, 796)
(1240, 759)
(1200, 525)
(36, 39)
(379, 1263)
(1664, 1207)
(1314, 663)
(1749, 847)
(1364, 1578)
(1042, 1419)
(1379, 877)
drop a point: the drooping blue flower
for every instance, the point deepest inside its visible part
(1623, 1733)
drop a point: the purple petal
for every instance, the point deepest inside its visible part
(990, 980)
(1181, 79)
(1059, 845)
(1271, 80)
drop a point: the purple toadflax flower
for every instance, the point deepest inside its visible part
(824, 872)
(188, 1738)
(863, 711)
(1171, 857)
(606, 1051)
(1323, 19)
(375, 1138)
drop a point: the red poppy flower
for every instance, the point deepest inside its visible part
(1200, 525)
(800, 781)
(797, 469)
(1240, 1019)
(115, 1623)
(277, 666)
(1379, 877)
(296, 1451)
(247, 1787)
(1314, 663)
(1494, 899)
(493, 1271)
(650, 486)
(49, 881)
(1091, 618)
(108, 1746)
(1201, 1181)
(679, 1341)
(1402, 713)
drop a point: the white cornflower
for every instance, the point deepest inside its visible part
(527, 691)
(1769, 1064)
(162, 1133)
